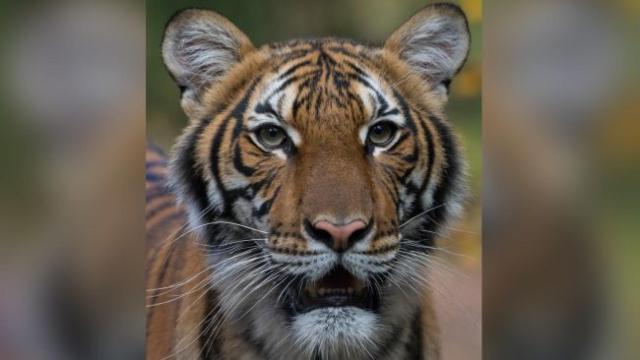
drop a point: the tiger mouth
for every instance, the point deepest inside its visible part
(339, 288)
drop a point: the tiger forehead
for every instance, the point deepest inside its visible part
(329, 80)
(300, 48)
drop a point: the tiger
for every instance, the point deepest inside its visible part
(295, 215)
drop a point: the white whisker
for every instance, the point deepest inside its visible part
(413, 218)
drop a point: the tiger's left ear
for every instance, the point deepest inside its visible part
(434, 42)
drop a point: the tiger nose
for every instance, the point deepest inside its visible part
(339, 237)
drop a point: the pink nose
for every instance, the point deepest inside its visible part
(341, 235)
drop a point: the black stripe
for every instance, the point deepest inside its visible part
(428, 239)
(342, 50)
(356, 68)
(358, 101)
(430, 154)
(295, 55)
(189, 172)
(155, 192)
(266, 206)
(214, 156)
(209, 344)
(383, 108)
(340, 82)
(266, 108)
(405, 110)
(388, 112)
(213, 161)
(292, 80)
(391, 189)
(153, 177)
(150, 212)
(415, 349)
(450, 172)
(293, 68)
(402, 138)
(186, 161)
(257, 186)
(237, 162)
(152, 164)
(362, 81)
(411, 122)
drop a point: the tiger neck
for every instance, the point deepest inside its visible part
(407, 341)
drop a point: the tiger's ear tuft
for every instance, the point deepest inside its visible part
(199, 46)
(434, 42)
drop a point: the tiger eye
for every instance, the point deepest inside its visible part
(382, 133)
(271, 136)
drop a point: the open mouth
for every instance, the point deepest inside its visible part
(336, 289)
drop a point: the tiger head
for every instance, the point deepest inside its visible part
(317, 173)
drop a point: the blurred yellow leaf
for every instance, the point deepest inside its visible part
(473, 8)
(468, 82)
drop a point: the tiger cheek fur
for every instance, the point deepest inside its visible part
(315, 174)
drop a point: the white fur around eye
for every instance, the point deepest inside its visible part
(294, 135)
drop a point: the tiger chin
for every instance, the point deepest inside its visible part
(306, 193)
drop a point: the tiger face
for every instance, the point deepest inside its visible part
(317, 173)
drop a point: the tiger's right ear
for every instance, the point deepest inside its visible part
(199, 47)
(434, 43)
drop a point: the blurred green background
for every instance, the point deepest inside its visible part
(370, 21)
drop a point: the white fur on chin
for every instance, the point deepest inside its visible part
(337, 332)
